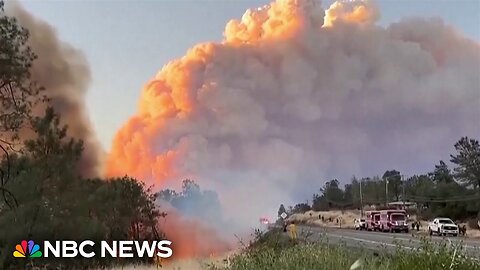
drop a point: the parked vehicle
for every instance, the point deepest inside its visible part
(370, 221)
(360, 224)
(376, 222)
(443, 226)
(393, 221)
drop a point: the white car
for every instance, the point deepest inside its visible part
(360, 224)
(443, 226)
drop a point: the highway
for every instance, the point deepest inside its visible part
(389, 242)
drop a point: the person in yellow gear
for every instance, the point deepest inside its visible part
(292, 229)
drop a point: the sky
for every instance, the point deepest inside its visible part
(127, 42)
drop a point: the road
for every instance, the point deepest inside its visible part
(385, 241)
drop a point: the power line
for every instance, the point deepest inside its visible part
(472, 198)
(416, 199)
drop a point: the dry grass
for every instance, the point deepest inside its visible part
(274, 250)
(312, 218)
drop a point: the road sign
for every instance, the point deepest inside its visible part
(283, 215)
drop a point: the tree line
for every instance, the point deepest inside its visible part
(441, 192)
(43, 195)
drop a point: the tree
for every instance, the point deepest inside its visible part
(167, 195)
(331, 196)
(190, 188)
(301, 208)
(53, 199)
(467, 160)
(44, 183)
(193, 201)
(18, 94)
(442, 173)
(281, 210)
(17, 91)
(394, 185)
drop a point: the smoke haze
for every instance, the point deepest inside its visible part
(64, 73)
(292, 96)
(295, 94)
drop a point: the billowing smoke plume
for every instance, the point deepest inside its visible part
(65, 75)
(295, 94)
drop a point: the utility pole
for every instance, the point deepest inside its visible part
(386, 192)
(361, 199)
(403, 191)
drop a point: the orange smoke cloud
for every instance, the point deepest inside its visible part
(351, 12)
(131, 154)
(279, 100)
(174, 93)
(279, 20)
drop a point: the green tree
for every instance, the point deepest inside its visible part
(195, 202)
(18, 94)
(331, 197)
(53, 200)
(43, 184)
(17, 91)
(301, 208)
(442, 173)
(394, 184)
(467, 160)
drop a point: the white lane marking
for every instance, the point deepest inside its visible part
(375, 242)
(382, 243)
(437, 241)
(368, 241)
(394, 237)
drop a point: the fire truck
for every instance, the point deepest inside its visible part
(393, 221)
(370, 220)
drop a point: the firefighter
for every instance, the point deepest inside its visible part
(292, 228)
(463, 230)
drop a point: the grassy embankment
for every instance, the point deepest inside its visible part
(274, 250)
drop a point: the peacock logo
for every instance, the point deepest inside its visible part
(27, 250)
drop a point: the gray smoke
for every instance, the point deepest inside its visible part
(295, 96)
(64, 73)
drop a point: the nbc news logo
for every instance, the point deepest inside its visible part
(116, 249)
(27, 250)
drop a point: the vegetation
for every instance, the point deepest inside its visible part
(42, 193)
(438, 193)
(193, 202)
(274, 250)
(44, 197)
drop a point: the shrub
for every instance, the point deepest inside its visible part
(321, 256)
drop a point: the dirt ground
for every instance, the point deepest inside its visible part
(346, 220)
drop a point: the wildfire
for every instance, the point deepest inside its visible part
(170, 103)
(286, 86)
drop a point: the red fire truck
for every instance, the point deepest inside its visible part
(393, 221)
(370, 218)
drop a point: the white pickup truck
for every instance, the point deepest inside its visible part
(443, 226)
